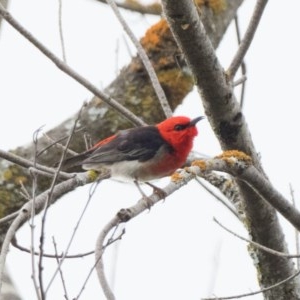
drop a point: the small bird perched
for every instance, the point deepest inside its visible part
(141, 154)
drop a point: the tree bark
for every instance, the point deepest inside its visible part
(230, 127)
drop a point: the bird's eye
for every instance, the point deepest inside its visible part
(179, 127)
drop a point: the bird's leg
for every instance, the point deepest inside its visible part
(160, 192)
(148, 201)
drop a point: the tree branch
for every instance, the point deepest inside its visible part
(132, 88)
(68, 70)
(146, 61)
(135, 6)
(247, 40)
(25, 212)
(229, 125)
(233, 162)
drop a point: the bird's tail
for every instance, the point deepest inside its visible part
(72, 163)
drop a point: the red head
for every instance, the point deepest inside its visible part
(179, 132)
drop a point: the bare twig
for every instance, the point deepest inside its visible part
(241, 80)
(296, 231)
(98, 257)
(68, 70)
(151, 9)
(24, 213)
(39, 290)
(248, 37)
(243, 65)
(61, 34)
(257, 245)
(145, 59)
(109, 242)
(9, 218)
(27, 164)
(60, 270)
(24, 249)
(57, 144)
(92, 191)
(257, 292)
(47, 204)
(24, 191)
(217, 197)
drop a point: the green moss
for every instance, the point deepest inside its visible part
(5, 201)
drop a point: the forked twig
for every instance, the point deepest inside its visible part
(248, 37)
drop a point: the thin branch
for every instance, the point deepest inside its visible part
(24, 249)
(248, 37)
(145, 59)
(60, 270)
(217, 197)
(24, 213)
(257, 292)
(91, 193)
(109, 242)
(9, 218)
(68, 70)
(18, 160)
(151, 9)
(24, 191)
(243, 65)
(233, 162)
(61, 34)
(241, 80)
(240, 165)
(98, 257)
(257, 245)
(56, 144)
(296, 232)
(179, 179)
(47, 204)
(38, 289)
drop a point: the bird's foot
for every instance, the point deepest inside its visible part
(147, 200)
(160, 192)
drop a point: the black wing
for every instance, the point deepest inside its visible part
(132, 144)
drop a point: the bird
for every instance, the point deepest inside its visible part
(141, 154)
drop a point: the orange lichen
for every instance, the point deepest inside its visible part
(217, 6)
(201, 164)
(200, 2)
(239, 155)
(176, 177)
(175, 83)
(155, 34)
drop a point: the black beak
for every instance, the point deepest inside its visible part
(196, 120)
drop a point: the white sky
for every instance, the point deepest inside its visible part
(175, 251)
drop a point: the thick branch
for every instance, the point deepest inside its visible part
(233, 162)
(229, 125)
